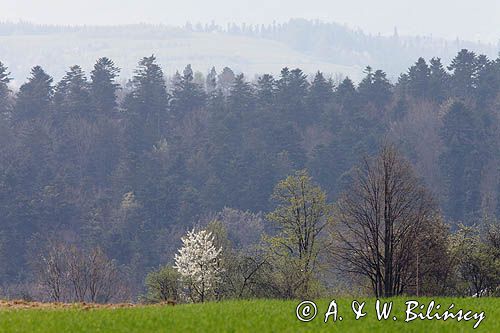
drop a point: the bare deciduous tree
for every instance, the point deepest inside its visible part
(51, 273)
(380, 214)
(68, 273)
(104, 277)
(78, 273)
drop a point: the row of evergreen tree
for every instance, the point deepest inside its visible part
(130, 167)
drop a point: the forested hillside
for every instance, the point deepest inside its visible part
(251, 49)
(130, 168)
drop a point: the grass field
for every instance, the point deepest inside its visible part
(242, 316)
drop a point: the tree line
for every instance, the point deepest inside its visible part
(385, 233)
(129, 168)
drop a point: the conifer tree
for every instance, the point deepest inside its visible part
(488, 81)
(211, 81)
(266, 90)
(35, 96)
(345, 92)
(72, 94)
(103, 85)
(146, 105)
(320, 94)
(187, 95)
(4, 89)
(419, 79)
(225, 80)
(241, 96)
(438, 80)
(375, 88)
(292, 88)
(465, 69)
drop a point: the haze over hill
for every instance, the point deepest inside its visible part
(451, 19)
(253, 49)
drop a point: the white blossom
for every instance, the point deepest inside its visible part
(198, 262)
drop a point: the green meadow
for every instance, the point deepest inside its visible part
(247, 316)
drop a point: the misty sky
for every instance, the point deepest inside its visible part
(466, 19)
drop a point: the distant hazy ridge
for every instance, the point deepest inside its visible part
(329, 47)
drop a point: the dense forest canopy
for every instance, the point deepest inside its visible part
(132, 167)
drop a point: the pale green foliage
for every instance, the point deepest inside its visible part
(302, 214)
(477, 261)
(162, 285)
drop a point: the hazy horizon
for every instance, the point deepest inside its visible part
(448, 19)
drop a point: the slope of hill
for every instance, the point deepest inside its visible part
(57, 51)
(312, 46)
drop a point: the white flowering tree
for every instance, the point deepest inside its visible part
(198, 264)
